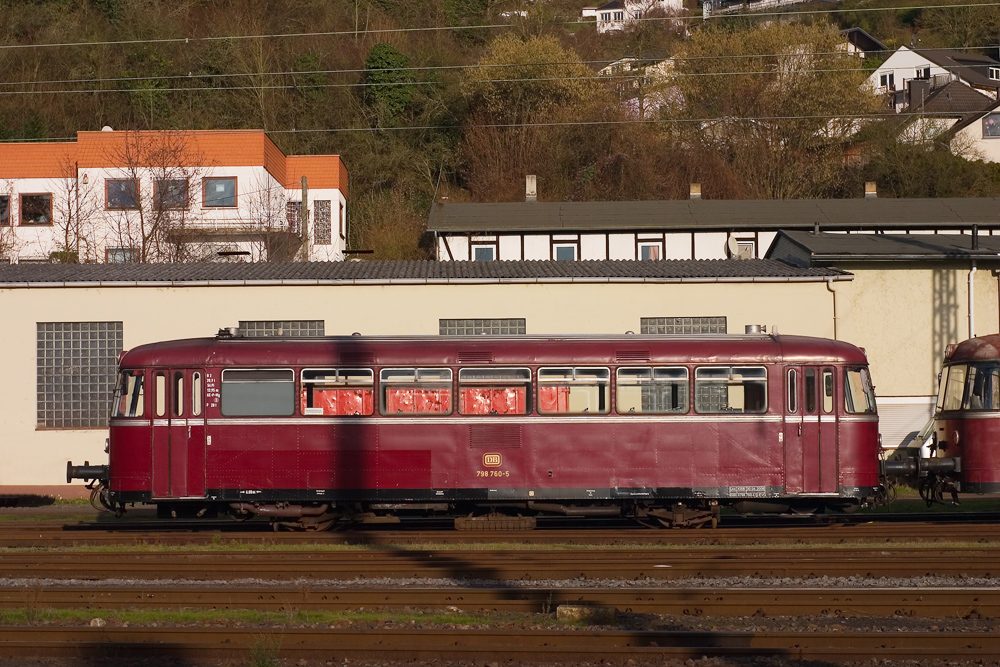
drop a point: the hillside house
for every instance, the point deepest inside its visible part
(931, 69)
(620, 14)
(153, 196)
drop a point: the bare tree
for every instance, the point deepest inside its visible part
(9, 242)
(75, 205)
(149, 202)
(272, 224)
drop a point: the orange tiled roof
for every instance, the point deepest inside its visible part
(321, 171)
(224, 148)
(38, 160)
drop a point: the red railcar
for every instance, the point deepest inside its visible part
(966, 454)
(315, 429)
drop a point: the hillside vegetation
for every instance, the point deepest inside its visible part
(427, 98)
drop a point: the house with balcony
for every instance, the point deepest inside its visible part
(153, 196)
(931, 69)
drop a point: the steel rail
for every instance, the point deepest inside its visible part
(476, 644)
(55, 533)
(839, 602)
(524, 565)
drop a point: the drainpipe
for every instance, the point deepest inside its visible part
(833, 291)
(972, 303)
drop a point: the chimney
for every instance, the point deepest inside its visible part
(871, 192)
(695, 191)
(917, 91)
(530, 188)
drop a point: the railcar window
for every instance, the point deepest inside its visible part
(161, 394)
(730, 390)
(810, 391)
(652, 391)
(129, 395)
(415, 391)
(258, 393)
(196, 393)
(494, 391)
(955, 387)
(178, 393)
(339, 391)
(827, 390)
(982, 390)
(574, 391)
(792, 390)
(859, 395)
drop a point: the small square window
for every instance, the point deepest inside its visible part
(650, 251)
(171, 193)
(220, 192)
(565, 252)
(122, 194)
(483, 253)
(995, 73)
(4, 210)
(36, 209)
(991, 125)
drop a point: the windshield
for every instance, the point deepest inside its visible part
(128, 395)
(859, 395)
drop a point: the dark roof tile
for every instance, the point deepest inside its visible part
(390, 271)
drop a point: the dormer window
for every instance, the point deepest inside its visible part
(995, 73)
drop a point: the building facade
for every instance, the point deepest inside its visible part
(679, 229)
(154, 196)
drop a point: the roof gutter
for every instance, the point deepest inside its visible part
(419, 281)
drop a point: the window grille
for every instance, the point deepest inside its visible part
(257, 328)
(322, 222)
(683, 325)
(77, 362)
(479, 327)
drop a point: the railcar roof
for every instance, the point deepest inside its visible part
(478, 350)
(976, 349)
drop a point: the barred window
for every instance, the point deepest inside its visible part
(256, 328)
(322, 222)
(479, 327)
(682, 325)
(76, 372)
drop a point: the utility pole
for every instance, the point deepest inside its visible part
(304, 221)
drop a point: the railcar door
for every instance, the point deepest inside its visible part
(810, 430)
(178, 434)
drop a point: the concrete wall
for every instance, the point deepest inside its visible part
(37, 458)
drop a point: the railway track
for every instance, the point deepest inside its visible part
(697, 602)
(504, 565)
(59, 534)
(333, 644)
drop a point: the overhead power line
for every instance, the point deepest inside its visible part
(593, 123)
(432, 68)
(390, 31)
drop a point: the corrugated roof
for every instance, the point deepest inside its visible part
(715, 214)
(829, 247)
(416, 271)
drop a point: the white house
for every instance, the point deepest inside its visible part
(169, 196)
(934, 68)
(620, 14)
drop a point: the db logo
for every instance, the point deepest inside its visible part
(491, 460)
